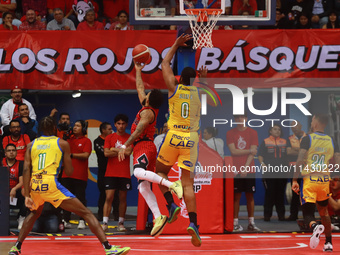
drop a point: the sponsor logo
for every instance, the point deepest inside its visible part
(187, 163)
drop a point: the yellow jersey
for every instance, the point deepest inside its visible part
(321, 150)
(46, 156)
(184, 109)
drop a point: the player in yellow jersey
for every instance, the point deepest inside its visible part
(180, 143)
(316, 149)
(43, 160)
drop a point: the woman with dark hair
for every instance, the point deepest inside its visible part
(7, 19)
(209, 137)
(89, 22)
(333, 21)
(303, 21)
(273, 159)
(122, 23)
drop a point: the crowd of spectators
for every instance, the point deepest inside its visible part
(108, 14)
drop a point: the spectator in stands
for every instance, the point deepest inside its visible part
(239, 6)
(333, 21)
(159, 139)
(40, 7)
(320, 12)
(7, 19)
(20, 141)
(10, 109)
(303, 22)
(273, 152)
(15, 169)
(117, 175)
(281, 21)
(31, 22)
(295, 8)
(60, 22)
(105, 129)
(81, 148)
(111, 8)
(9, 6)
(28, 126)
(122, 23)
(209, 137)
(49, 220)
(65, 6)
(89, 22)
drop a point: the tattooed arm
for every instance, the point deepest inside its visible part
(146, 117)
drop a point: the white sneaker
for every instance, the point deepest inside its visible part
(335, 228)
(328, 247)
(20, 221)
(67, 225)
(315, 238)
(253, 227)
(81, 224)
(237, 228)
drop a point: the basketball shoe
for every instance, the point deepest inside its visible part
(195, 237)
(177, 189)
(117, 251)
(158, 225)
(315, 238)
(174, 210)
(14, 251)
(328, 247)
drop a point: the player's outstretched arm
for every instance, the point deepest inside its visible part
(68, 168)
(26, 174)
(168, 74)
(139, 82)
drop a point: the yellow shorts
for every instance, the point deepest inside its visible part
(181, 147)
(314, 188)
(48, 189)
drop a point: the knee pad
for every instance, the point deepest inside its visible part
(144, 186)
(139, 173)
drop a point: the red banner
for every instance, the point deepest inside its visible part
(101, 60)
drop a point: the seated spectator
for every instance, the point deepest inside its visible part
(240, 6)
(7, 19)
(122, 23)
(60, 22)
(333, 21)
(49, 220)
(65, 6)
(89, 22)
(15, 169)
(20, 141)
(9, 109)
(281, 21)
(209, 137)
(9, 6)
(320, 11)
(31, 22)
(295, 8)
(303, 22)
(28, 126)
(40, 7)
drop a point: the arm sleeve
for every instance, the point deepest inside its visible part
(4, 113)
(305, 143)
(107, 143)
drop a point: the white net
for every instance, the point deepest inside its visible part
(202, 23)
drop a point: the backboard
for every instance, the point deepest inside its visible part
(171, 12)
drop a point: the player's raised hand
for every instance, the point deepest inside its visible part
(203, 72)
(180, 41)
(139, 66)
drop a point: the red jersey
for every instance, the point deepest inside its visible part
(80, 166)
(20, 144)
(115, 168)
(15, 171)
(149, 132)
(242, 141)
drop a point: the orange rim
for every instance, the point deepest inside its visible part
(203, 14)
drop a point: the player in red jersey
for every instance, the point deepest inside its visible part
(145, 152)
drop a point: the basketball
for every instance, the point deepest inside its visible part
(141, 53)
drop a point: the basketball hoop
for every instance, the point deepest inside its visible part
(202, 23)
